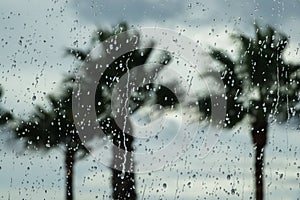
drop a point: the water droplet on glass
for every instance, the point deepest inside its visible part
(228, 177)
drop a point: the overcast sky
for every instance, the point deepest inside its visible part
(34, 33)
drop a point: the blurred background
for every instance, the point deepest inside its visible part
(34, 36)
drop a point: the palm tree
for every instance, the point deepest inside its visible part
(260, 85)
(122, 164)
(46, 129)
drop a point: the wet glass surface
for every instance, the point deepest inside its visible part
(149, 99)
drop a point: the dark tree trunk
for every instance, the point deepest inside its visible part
(123, 180)
(259, 139)
(69, 164)
(122, 165)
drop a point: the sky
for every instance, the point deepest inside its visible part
(33, 37)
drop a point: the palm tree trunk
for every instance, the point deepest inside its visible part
(259, 139)
(122, 164)
(123, 179)
(123, 185)
(69, 164)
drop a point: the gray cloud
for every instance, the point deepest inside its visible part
(229, 13)
(133, 11)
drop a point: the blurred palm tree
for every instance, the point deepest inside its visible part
(118, 125)
(259, 84)
(54, 127)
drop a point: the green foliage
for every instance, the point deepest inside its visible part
(114, 72)
(47, 128)
(260, 82)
